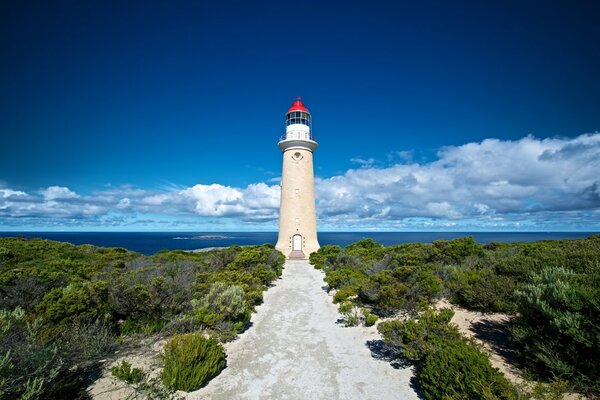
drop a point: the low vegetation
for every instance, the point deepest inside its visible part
(126, 373)
(190, 361)
(64, 307)
(551, 287)
(447, 365)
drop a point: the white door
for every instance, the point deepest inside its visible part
(297, 244)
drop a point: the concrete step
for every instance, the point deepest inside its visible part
(296, 255)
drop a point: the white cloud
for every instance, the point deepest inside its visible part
(365, 162)
(492, 177)
(58, 193)
(493, 184)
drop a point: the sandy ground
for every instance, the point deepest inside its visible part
(108, 387)
(296, 350)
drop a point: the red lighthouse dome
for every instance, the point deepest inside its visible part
(297, 105)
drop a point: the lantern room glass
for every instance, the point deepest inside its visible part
(298, 117)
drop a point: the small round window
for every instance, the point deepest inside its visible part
(297, 156)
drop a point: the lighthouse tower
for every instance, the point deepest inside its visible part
(297, 213)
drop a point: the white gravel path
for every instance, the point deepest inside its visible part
(296, 350)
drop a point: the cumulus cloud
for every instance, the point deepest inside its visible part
(58, 193)
(493, 184)
(504, 179)
(257, 202)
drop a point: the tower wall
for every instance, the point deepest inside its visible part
(297, 214)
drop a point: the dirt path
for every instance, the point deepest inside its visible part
(296, 350)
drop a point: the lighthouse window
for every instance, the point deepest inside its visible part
(297, 117)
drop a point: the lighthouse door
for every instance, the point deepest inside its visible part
(297, 242)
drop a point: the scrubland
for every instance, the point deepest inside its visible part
(66, 309)
(549, 289)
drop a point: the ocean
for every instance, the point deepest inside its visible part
(150, 242)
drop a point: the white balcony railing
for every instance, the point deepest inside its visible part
(298, 135)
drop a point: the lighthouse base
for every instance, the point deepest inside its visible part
(297, 255)
(291, 250)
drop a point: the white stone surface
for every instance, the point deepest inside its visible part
(296, 350)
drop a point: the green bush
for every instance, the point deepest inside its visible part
(369, 318)
(5, 254)
(190, 361)
(448, 366)
(144, 325)
(87, 301)
(367, 250)
(344, 293)
(484, 290)
(325, 256)
(457, 250)
(558, 326)
(124, 372)
(82, 342)
(414, 337)
(350, 312)
(345, 276)
(414, 253)
(455, 369)
(27, 367)
(223, 303)
(248, 258)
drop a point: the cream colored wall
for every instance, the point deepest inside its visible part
(297, 212)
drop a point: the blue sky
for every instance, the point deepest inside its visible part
(429, 115)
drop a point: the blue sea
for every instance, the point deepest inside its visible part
(150, 242)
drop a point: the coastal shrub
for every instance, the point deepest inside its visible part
(148, 290)
(557, 330)
(345, 277)
(248, 258)
(406, 288)
(28, 367)
(457, 250)
(549, 391)
(190, 361)
(414, 253)
(253, 269)
(132, 299)
(125, 373)
(264, 273)
(325, 256)
(275, 261)
(350, 313)
(369, 318)
(344, 293)
(367, 250)
(81, 342)
(483, 290)
(455, 369)
(414, 337)
(82, 298)
(448, 366)
(24, 292)
(223, 303)
(86, 301)
(5, 255)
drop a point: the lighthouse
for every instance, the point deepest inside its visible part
(297, 212)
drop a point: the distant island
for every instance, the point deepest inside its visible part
(202, 237)
(210, 237)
